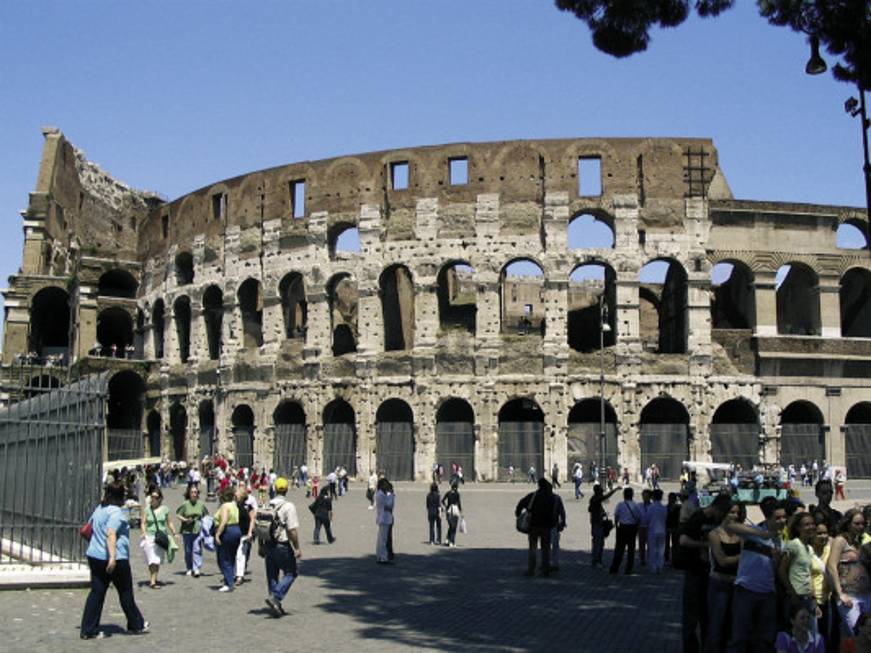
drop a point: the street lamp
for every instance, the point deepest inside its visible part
(604, 327)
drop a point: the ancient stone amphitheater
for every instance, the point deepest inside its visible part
(493, 304)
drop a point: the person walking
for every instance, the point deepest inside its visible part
(157, 530)
(323, 512)
(653, 523)
(453, 513)
(840, 483)
(554, 476)
(627, 517)
(540, 505)
(247, 512)
(227, 537)
(578, 478)
(598, 517)
(384, 503)
(190, 514)
(108, 557)
(282, 550)
(433, 514)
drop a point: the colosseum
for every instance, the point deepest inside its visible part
(491, 304)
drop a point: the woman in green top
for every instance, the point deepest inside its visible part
(227, 537)
(154, 518)
(190, 514)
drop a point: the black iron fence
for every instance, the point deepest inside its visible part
(51, 443)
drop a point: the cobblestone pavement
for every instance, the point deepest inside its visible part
(473, 597)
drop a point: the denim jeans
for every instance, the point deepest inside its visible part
(280, 560)
(453, 523)
(598, 543)
(122, 579)
(754, 621)
(320, 521)
(227, 553)
(719, 614)
(578, 492)
(435, 525)
(188, 539)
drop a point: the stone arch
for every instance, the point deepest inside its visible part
(181, 311)
(591, 230)
(852, 234)
(522, 283)
(857, 440)
(802, 437)
(798, 300)
(153, 426)
(178, 428)
(213, 318)
(343, 297)
(158, 325)
(665, 436)
(343, 239)
(666, 279)
(521, 437)
(244, 427)
(394, 433)
(114, 331)
(733, 302)
(592, 302)
(124, 407)
(589, 426)
(50, 322)
(290, 437)
(250, 296)
(294, 308)
(855, 301)
(455, 436)
(184, 268)
(396, 288)
(117, 283)
(457, 296)
(340, 437)
(735, 429)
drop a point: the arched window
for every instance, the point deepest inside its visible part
(243, 436)
(340, 437)
(114, 331)
(521, 438)
(158, 324)
(397, 308)
(664, 436)
(857, 440)
(213, 316)
(124, 416)
(455, 436)
(592, 300)
(664, 288)
(735, 434)
(733, 305)
(801, 434)
(855, 296)
(344, 240)
(522, 296)
(294, 307)
(457, 295)
(343, 297)
(290, 437)
(587, 231)
(50, 322)
(798, 300)
(851, 235)
(251, 308)
(586, 420)
(181, 309)
(117, 283)
(184, 268)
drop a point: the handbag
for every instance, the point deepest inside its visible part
(86, 532)
(161, 539)
(524, 519)
(463, 528)
(607, 527)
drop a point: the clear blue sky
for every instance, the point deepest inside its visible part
(170, 96)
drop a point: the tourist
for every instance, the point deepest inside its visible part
(862, 641)
(540, 505)
(384, 504)
(694, 560)
(653, 523)
(108, 556)
(227, 537)
(247, 505)
(332, 484)
(190, 514)
(801, 637)
(796, 565)
(672, 523)
(156, 529)
(849, 577)
(642, 527)
(453, 513)
(560, 525)
(371, 487)
(433, 514)
(530, 474)
(724, 552)
(598, 521)
(625, 476)
(578, 478)
(627, 517)
(303, 474)
(824, 492)
(554, 476)
(840, 482)
(282, 550)
(323, 512)
(510, 473)
(754, 604)
(827, 610)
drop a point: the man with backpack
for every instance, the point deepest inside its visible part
(276, 527)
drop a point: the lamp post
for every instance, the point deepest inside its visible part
(603, 328)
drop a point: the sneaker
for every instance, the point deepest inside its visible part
(225, 588)
(146, 626)
(188, 573)
(274, 606)
(98, 635)
(196, 574)
(371, 508)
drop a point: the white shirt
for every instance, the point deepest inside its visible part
(373, 481)
(384, 504)
(654, 518)
(628, 513)
(287, 515)
(331, 477)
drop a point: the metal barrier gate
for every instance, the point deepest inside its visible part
(340, 448)
(395, 450)
(858, 445)
(51, 453)
(289, 448)
(801, 443)
(521, 444)
(124, 444)
(243, 436)
(666, 446)
(735, 443)
(455, 443)
(584, 445)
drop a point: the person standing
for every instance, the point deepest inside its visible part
(324, 517)
(672, 522)
(227, 537)
(642, 526)
(247, 512)
(653, 523)
(108, 557)
(511, 473)
(283, 550)
(840, 482)
(578, 478)
(795, 569)
(725, 552)
(332, 484)
(850, 580)
(555, 532)
(554, 476)
(433, 516)
(155, 518)
(453, 512)
(384, 503)
(824, 491)
(598, 515)
(540, 505)
(530, 474)
(190, 514)
(371, 488)
(627, 517)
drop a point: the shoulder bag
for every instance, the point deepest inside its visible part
(525, 517)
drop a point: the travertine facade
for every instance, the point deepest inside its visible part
(235, 300)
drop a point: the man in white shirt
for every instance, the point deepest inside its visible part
(654, 521)
(578, 477)
(282, 554)
(385, 500)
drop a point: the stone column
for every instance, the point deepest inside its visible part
(766, 304)
(830, 306)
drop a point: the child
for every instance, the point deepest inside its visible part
(315, 481)
(800, 637)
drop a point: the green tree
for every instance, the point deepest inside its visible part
(622, 27)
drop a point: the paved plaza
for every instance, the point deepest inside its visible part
(474, 597)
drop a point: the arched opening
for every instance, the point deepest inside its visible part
(124, 416)
(340, 437)
(50, 323)
(664, 287)
(139, 335)
(153, 425)
(397, 308)
(522, 297)
(521, 438)
(178, 428)
(117, 283)
(213, 317)
(857, 440)
(851, 235)
(586, 231)
(455, 436)
(343, 297)
(294, 308)
(344, 240)
(206, 415)
(243, 436)
(801, 434)
(855, 299)
(158, 323)
(184, 268)
(665, 436)
(585, 434)
(457, 294)
(290, 438)
(733, 302)
(592, 300)
(735, 434)
(114, 332)
(251, 308)
(394, 448)
(181, 310)
(798, 300)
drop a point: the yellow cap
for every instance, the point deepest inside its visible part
(281, 484)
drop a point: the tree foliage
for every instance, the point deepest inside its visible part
(622, 27)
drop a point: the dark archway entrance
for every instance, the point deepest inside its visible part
(243, 436)
(735, 434)
(340, 437)
(124, 416)
(801, 434)
(585, 438)
(455, 436)
(665, 436)
(294, 307)
(117, 283)
(50, 322)
(206, 414)
(521, 438)
(153, 426)
(158, 322)
(213, 316)
(394, 428)
(181, 309)
(397, 308)
(178, 427)
(857, 435)
(290, 438)
(251, 308)
(114, 331)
